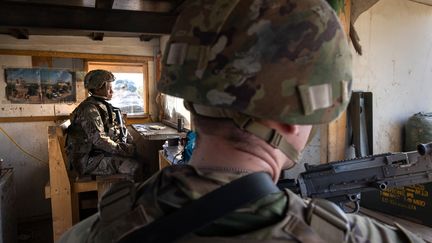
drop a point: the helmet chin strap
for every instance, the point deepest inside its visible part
(270, 135)
(247, 123)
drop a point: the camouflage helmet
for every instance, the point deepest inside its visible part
(283, 60)
(95, 79)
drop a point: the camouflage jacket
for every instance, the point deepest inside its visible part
(276, 217)
(95, 129)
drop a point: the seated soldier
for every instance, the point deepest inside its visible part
(98, 142)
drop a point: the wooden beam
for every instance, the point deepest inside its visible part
(336, 134)
(147, 37)
(19, 33)
(97, 36)
(29, 15)
(104, 4)
(86, 186)
(336, 138)
(60, 188)
(86, 56)
(130, 120)
(33, 119)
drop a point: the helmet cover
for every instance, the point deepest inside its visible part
(283, 60)
(95, 79)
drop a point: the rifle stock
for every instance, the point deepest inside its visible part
(343, 181)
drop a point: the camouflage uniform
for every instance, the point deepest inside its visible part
(94, 142)
(282, 60)
(276, 217)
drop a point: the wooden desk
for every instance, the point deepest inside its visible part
(149, 138)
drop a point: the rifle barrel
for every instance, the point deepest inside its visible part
(424, 149)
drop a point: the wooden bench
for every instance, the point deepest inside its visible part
(64, 186)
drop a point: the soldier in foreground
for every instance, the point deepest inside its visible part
(98, 142)
(257, 76)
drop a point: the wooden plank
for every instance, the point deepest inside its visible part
(336, 131)
(97, 36)
(336, 139)
(345, 16)
(86, 186)
(60, 192)
(32, 119)
(19, 33)
(29, 15)
(86, 56)
(163, 161)
(146, 87)
(138, 119)
(130, 120)
(42, 61)
(324, 144)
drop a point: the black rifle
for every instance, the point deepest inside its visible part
(343, 181)
(123, 129)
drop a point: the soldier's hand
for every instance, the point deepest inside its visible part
(128, 149)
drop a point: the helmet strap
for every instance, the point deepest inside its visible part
(269, 135)
(249, 124)
(312, 133)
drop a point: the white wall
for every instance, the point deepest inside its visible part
(396, 66)
(31, 174)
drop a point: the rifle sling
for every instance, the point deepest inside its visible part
(205, 210)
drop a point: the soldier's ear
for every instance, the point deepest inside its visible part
(289, 129)
(286, 129)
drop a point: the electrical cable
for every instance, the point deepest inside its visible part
(179, 161)
(19, 147)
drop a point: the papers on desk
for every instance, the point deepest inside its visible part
(143, 129)
(156, 127)
(156, 131)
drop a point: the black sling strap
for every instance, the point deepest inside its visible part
(205, 210)
(102, 112)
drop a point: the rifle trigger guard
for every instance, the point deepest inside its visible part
(352, 198)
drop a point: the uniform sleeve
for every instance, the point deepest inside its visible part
(368, 230)
(91, 122)
(79, 232)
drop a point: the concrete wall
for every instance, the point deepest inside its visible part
(396, 66)
(31, 174)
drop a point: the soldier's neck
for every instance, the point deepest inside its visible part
(215, 153)
(100, 97)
